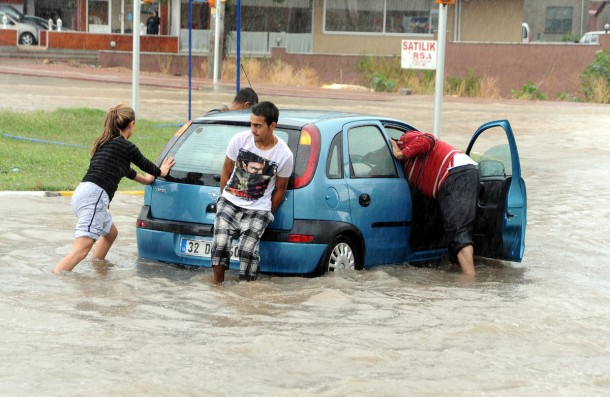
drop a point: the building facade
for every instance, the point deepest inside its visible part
(354, 27)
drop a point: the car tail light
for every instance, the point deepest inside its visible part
(141, 223)
(300, 238)
(307, 156)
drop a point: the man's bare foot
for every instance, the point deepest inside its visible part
(219, 274)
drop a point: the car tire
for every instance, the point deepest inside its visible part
(27, 38)
(340, 255)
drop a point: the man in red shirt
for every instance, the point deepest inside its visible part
(441, 172)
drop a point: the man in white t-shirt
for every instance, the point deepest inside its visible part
(253, 183)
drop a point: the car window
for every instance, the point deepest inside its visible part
(10, 11)
(492, 152)
(369, 153)
(204, 149)
(201, 152)
(334, 168)
(394, 132)
(9, 21)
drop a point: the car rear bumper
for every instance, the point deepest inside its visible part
(161, 239)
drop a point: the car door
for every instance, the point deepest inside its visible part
(502, 205)
(379, 198)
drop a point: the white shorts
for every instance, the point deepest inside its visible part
(90, 205)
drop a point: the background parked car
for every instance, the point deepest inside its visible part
(348, 205)
(27, 34)
(592, 37)
(12, 12)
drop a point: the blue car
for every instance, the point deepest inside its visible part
(348, 204)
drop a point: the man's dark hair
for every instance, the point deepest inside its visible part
(268, 110)
(246, 95)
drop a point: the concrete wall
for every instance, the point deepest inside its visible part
(555, 68)
(101, 41)
(490, 21)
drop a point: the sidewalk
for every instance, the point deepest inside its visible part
(86, 72)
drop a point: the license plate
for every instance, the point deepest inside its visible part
(202, 248)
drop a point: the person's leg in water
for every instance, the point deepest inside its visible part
(466, 260)
(219, 273)
(80, 249)
(252, 226)
(458, 198)
(225, 224)
(94, 223)
(104, 243)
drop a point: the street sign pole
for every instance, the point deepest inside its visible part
(135, 62)
(238, 53)
(219, 10)
(440, 68)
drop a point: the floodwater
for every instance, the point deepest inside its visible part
(133, 327)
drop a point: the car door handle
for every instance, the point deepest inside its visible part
(364, 200)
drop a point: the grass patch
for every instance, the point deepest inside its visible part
(386, 75)
(266, 70)
(530, 92)
(32, 165)
(595, 80)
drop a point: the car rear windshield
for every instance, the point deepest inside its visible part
(200, 152)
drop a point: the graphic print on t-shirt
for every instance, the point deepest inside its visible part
(252, 176)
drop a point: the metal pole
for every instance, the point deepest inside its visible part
(190, 57)
(238, 54)
(440, 68)
(135, 69)
(216, 41)
(122, 15)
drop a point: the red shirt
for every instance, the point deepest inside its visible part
(428, 161)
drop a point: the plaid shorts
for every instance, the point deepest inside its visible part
(244, 224)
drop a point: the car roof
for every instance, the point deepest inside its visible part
(20, 25)
(290, 117)
(590, 35)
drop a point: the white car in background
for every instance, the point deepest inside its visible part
(592, 37)
(42, 23)
(27, 34)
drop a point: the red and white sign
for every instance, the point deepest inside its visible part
(418, 54)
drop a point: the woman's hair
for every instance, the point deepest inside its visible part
(117, 119)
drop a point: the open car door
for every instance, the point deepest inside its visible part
(502, 206)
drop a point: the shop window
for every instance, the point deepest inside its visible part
(384, 16)
(201, 15)
(98, 12)
(558, 20)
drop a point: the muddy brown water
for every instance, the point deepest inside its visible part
(133, 327)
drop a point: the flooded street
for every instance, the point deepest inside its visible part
(133, 327)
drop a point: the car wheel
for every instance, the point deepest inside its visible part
(340, 255)
(27, 38)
